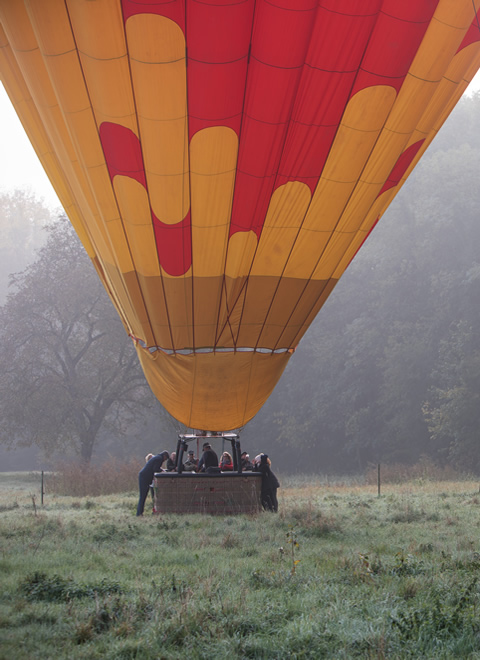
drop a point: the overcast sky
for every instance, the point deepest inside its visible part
(19, 166)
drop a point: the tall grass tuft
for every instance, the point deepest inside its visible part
(80, 480)
(424, 470)
(313, 520)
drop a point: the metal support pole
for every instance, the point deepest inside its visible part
(238, 457)
(181, 449)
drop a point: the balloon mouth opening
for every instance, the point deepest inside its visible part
(209, 349)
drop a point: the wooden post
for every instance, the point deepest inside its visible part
(41, 495)
(378, 479)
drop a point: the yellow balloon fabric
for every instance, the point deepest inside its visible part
(223, 162)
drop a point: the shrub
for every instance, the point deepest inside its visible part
(311, 520)
(54, 588)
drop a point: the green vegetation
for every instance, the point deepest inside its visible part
(338, 573)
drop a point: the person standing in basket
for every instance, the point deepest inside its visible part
(191, 463)
(171, 462)
(247, 465)
(209, 459)
(226, 462)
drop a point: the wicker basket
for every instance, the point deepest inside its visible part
(217, 494)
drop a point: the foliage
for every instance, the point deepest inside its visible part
(442, 618)
(54, 588)
(68, 371)
(390, 369)
(453, 405)
(294, 547)
(22, 219)
(97, 582)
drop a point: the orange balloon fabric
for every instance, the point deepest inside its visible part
(223, 162)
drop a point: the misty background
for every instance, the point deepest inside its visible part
(389, 371)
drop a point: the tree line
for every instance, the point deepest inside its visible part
(390, 369)
(388, 372)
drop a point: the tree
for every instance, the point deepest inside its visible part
(68, 371)
(22, 218)
(453, 408)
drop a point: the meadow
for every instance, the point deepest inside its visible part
(339, 572)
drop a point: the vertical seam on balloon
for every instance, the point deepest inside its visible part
(187, 138)
(417, 157)
(287, 132)
(274, 188)
(397, 186)
(223, 295)
(475, 17)
(192, 390)
(228, 322)
(191, 215)
(294, 342)
(249, 381)
(306, 212)
(219, 331)
(344, 206)
(101, 146)
(224, 298)
(244, 286)
(147, 191)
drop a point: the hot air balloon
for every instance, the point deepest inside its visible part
(223, 162)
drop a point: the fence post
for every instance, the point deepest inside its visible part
(41, 496)
(378, 479)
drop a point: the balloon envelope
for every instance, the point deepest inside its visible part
(223, 162)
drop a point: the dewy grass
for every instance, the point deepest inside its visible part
(374, 577)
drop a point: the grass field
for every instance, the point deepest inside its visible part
(338, 573)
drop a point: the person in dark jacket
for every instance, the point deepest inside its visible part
(247, 465)
(270, 483)
(209, 459)
(145, 478)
